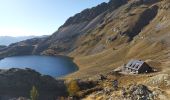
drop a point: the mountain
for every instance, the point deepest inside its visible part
(6, 40)
(26, 47)
(107, 36)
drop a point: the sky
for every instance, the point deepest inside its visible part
(38, 17)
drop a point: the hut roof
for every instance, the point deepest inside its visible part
(135, 64)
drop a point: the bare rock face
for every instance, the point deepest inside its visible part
(18, 82)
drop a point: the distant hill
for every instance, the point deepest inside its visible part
(6, 40)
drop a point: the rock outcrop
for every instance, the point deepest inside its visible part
(18, 82)
(138, 92)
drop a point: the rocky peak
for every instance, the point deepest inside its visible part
(91, 13)
(116, 3)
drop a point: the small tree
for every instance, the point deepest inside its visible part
(73, 88)
(34, 93)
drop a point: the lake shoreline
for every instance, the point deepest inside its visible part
(64, 62)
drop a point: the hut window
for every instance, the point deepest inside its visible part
(137, 66)
(130, 64)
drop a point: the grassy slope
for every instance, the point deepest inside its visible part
(151, 44)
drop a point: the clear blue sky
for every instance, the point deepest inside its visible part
(38, 17)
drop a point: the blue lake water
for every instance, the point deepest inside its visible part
(47, 65)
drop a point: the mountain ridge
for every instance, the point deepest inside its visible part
(6, 40)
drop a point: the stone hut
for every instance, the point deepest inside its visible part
(137, 67)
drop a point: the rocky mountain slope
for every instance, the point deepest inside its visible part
(133, 29)
(136, 30)
(26, 47)
(76, 26)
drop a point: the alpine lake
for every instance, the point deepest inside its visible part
(55, 66)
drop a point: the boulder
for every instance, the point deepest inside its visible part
(138, 92)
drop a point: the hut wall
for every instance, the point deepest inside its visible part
(145, 68)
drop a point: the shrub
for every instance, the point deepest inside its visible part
(34, 93)
(73, 87)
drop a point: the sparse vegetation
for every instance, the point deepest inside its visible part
(34, 93)
(73, 87)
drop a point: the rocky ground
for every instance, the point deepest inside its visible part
(130, 87)
(16, 85)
